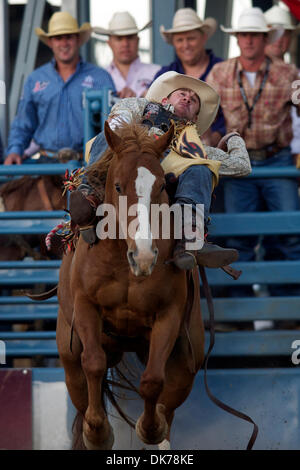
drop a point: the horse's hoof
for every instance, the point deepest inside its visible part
(164, 445)
(159, 434)
(105, 445)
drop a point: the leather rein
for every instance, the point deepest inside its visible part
(215, 400)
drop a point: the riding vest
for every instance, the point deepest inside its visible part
(186, 148)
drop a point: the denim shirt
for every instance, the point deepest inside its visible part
(176, 66)
(51, 110)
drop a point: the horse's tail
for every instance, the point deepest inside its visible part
(77, 428)
(43, 296)
(110, 394)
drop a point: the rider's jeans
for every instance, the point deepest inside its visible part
(98, 147)
(269, 194)
(195, 187)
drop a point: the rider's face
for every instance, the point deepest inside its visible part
(65, 47)
(186, 103)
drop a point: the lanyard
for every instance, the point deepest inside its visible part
(256, 98)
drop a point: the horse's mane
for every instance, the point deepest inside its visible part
(134, 138)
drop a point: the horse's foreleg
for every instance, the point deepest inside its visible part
(152, 426)
(97, 432)
(75, 378)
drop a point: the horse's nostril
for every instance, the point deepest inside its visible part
(130, 256)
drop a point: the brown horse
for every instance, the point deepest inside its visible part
(43, 193)
(122, 295)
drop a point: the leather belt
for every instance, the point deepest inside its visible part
(49, 153)
(264, 153)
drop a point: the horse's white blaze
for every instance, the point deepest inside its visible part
(143, 185)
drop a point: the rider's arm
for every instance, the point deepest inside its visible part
(234, 162)
(24, 124)
(127, 110)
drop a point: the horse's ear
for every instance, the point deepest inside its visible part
(164, 141)
(113, 140)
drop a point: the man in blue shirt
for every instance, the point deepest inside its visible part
(188, 36)
(51, 108)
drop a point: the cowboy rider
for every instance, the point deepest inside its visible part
(191, 102)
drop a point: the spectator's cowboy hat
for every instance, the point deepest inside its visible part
(186, 19)
(121, 24)
(252, 20)
(168, 82)
(62, 23)
(281, 17)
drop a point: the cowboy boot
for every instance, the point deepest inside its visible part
(82, 208)
(209, 256)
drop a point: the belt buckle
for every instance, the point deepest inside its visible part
(258, 155)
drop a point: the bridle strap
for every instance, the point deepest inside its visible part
(219, 403)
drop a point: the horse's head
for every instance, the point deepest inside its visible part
(136, 174)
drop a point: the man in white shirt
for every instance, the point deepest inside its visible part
(131, 76)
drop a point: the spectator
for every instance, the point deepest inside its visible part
(50, 110)
(277, 16)
(255, 93)
(131, 76)
(188, 36)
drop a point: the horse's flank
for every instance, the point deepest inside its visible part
(23, 193)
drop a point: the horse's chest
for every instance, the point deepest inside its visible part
(117, 292)
(127, 309)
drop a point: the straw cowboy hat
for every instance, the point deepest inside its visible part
(62, 22)
(121, 24)
(252, 20)
(186, 19)
(277, 16)
(168, 82)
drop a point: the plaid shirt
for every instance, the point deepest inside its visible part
(271, 119)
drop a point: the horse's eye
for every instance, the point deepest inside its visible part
(118, 187)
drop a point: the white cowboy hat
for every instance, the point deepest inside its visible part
(186, 19)
(277, 16)
(62, 22)
(252, 20)
(121, 24)
(168, 82)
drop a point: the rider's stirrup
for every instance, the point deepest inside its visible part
(210, 256)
